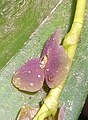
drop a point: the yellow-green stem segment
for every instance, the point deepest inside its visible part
(70, 43)
(72, 38)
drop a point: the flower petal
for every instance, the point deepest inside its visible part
(52, 42)
(30, 76)
(57, 65)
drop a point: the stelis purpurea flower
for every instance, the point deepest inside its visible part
(52, 67)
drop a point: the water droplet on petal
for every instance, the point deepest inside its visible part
(29, 71)
(39, 76)
(47, 69)
(31, 84)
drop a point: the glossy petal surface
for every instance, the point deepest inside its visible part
(58, 61)
(30, 76)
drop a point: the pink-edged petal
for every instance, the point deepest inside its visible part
(30, 77)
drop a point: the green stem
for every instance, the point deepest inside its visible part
(51, 101)
(72, 38)
(70, 43)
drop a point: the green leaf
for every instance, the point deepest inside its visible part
(24, 29)
(18, 20)
(76, 87)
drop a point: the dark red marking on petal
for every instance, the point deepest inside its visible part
(30, 77)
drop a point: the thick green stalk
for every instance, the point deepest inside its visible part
(72, 38)
(50, 105)
(70, 43)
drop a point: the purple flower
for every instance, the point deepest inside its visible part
(52, 66)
